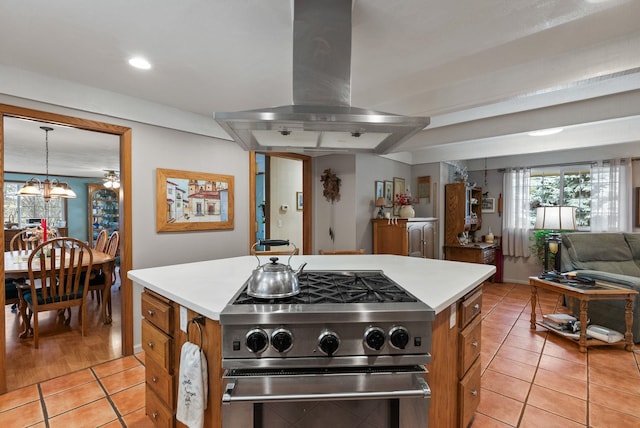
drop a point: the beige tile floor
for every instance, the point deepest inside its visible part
(529, 379)
(106, 395)
(532, 378)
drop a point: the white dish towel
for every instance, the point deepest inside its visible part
(193, 388)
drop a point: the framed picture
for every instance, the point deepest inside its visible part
(189, 201)
(388, 193)
(489, 205)
(637, 206)
(424, 187)
(379, 190)
(398, 188)
(299, 201)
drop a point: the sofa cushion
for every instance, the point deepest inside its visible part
(608, 252)
(633, 239)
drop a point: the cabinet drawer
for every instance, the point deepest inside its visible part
(470, 307)
(160, 382)
(157, 345)
(469, 345)
(160, 415)
(489, 256)
(157, 312)
(469, 394)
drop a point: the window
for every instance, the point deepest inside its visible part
(18, 209)
(568, 186)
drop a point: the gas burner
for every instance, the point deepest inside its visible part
(317, 287)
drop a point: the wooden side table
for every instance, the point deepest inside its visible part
(585, 293)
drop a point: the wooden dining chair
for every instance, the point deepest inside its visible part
(26, 240)
(98, 280)
(61, 285)
(342, 252)
(101, 241)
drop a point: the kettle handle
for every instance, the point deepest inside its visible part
(273, 242)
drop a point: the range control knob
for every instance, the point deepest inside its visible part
(282, 340)
(399, 337)
(329, 342)
(374, 338)
(257, 340)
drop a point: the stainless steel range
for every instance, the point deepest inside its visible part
(355, 340)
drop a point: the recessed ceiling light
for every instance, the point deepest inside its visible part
(139, 62)
(544, 132)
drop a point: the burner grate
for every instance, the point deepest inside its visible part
(339, 287)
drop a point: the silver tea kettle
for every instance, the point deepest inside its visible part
(274, 280)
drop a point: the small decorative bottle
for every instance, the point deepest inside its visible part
(489, 237)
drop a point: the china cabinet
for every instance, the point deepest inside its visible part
(463, 211)
(103, 210)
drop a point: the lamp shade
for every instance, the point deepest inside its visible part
(555, 218)
(380, 202)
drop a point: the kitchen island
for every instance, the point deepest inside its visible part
(204, 288)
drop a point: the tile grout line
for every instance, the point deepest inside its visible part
(43, 405)
(108, 397)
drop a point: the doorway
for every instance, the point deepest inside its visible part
(126, 296)
(265, 204)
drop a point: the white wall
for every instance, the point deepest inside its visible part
(340, 216)
(286, 180)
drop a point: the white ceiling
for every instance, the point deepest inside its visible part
(485, 71)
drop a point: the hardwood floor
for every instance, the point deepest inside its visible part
(62, 348)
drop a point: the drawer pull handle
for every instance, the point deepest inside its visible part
(475, 344)
(154, 379)
(150, 312)
(474, 393)
(150, 345)
(476, 306)
(154, 415)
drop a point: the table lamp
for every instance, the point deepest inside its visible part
(380, 203)
(554, 219)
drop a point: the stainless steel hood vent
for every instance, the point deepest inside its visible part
(321, 117)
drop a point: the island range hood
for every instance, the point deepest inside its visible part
(321, 117)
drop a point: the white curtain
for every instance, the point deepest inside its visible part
(515, 222)
(611, 196)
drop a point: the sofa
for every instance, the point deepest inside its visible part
(609, 257)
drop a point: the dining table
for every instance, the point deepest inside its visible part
(16, 266)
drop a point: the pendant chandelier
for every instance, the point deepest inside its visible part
(47, 189)
(111, 180)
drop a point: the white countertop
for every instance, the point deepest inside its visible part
(206, 287)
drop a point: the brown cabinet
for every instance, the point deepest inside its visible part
(463, 211)
(390, 236)
(472, 253)
(162, 341)
(406, 237)
(454, 373)
(159, 349)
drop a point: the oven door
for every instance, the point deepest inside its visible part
(376, 397)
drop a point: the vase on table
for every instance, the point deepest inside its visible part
(406, 211)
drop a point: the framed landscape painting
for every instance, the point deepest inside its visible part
(189, 201)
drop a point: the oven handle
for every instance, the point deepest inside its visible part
(422, 391)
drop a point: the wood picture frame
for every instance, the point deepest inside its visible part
(488, 205)
(193, 201)
(379, 190)
(388, 194)
(637, 206)
(299, 201)
(398, 189)
(424, 187)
